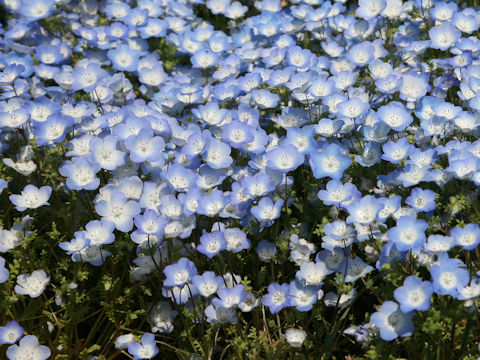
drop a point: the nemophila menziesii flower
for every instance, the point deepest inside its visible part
(118, 210)
(100, 232)
(329, 161)
(150, 223)
(328, 127)
(408, 234)
(370, 156)
(237, 133)
(80, 173)
(392, 322)
(266, 250)
(10, 73)
(123, 341)
(334, 259)
(4, 273)
(284, 158)
(13, 118)
(364, 211)
(390, 206)
(3, 185)
(277, 297)
(32, 284)
(396, 151)
(414, 294)
(337, 193)
(87, 77)
(361, 54)
(395, 115)
(422, 200)
(412, 175)
(299, 58)
(295, 337)
(211, 204)
(48, 54)
(93, 254)
(36, 9)
(448, 275)
(467, 237)
(217, 154)
(179, 177)
(466, 21)
(302, 138)
(78, 243)
(11, 333)
(210, 113)
(229, 297)
(124, 58)
(204, 58)
(31, 197)
(147, 349)
(443, 36)
(267, 210)
(312, 273)
(464, 167)
(265, 99)
(53, 129)
(302, 297)
(162, 317)
(212, 243)
(356, 269)
(145, 146)
(104, 151)
(258, 185)
(207, 284)
(368, 9)
(352, 108)
(236, 240)
(414, 86)
(179, 273)
(28, 348)
(220, 315)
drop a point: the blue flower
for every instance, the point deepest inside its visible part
(392, 322)
(285, 158)
(150, 223)
(277, 297)
(119, 210)
(364, 211)
(180, 273)
(212, 243)
(52, 130)
(302, 297)
(448, 276)
(415, 294)
(443, 36)
(31, 197)
(421, 200)
(467, 237)
(35, 10)
(124, 58)
(28, 345)
(147, 349)
(267, 210)
(329, 161)
(11, 333)
(229, 297)
(408, 234)
(4, 275)
(208, 283)
(80, 173)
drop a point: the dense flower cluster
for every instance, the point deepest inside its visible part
(307, 135)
